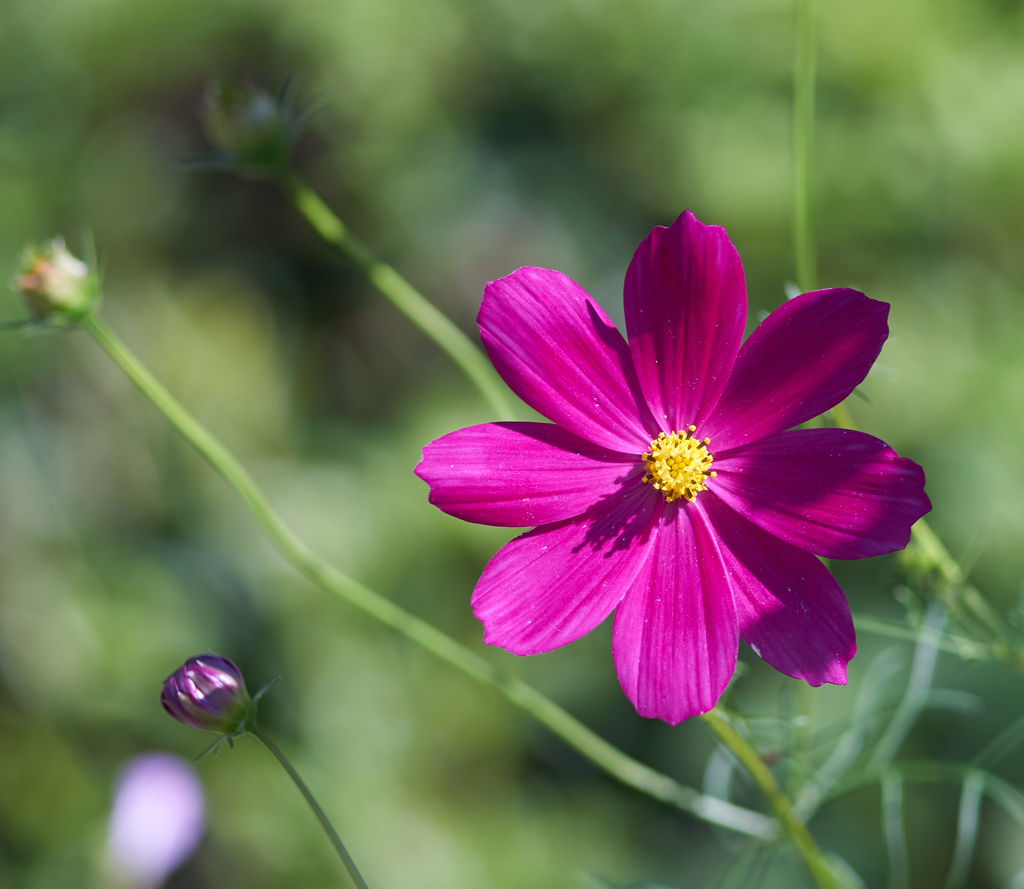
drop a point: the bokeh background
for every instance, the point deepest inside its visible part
(461, 139)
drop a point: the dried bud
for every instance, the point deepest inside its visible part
(254, 129)
(208, 693)
(54, 283)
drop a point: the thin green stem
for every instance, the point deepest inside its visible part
(966, 830)
(332, 834)
(806, 279)
(803, 147)
(958, 645)
(798, 763)
(894, 829)
(1002, 793)
(954, 588)
(921, 673)
(797, 831)
(416, 307)
(592, 746)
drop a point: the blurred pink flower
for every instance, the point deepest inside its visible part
(157, 819)
(668, 488)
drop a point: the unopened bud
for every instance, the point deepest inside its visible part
(254, 129)
(54, 283)
(208, 693)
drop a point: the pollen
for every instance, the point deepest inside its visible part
(679, 465)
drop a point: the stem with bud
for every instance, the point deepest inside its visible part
(604, 755)
(406, 298)
(307, 794)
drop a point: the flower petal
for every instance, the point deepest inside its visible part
(521, 474)
(791, 611)
(804, 358)
(686, 304)
(556, 583)
(834, 492)
(676, 637)
(557, 350)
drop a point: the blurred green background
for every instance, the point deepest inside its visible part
(461, 139)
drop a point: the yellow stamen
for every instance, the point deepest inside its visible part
(679, 465)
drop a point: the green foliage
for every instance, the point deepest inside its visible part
(462, 140)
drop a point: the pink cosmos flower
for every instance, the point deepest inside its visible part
(668, 488)
(157, 819)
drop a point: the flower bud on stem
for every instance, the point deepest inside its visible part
(208, 693)
(406, 298)
(604, 755)
(58, 288)
(252, 129)
(253, 132)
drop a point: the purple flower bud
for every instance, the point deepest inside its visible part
(253, 128)
(208, 693)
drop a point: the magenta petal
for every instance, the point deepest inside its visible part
(834, 492)
(804, 358)
(676, 637)
(557, 582)
(791, 611)
(557, 350)
(686, 304)
(521, 474)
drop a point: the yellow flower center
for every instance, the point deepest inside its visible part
(679, 465)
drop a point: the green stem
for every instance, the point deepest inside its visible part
(332, 834)
(803, 147)
(783, 808)
(894, 830)
(921, 674)
(406, 298)
(961, 646)
(955, 588)
(996, 789)
(327, 577)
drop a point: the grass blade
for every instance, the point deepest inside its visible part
(865, 711)
(1002, 744)
(925, 655)
(966, 829)
(892, 828)
(961, 646)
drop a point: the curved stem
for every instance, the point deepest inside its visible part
(797, 831)
(332, 834)
(1004, 794)
(957, 593)
(966, 830)
(327, 577)
(958, 645)
(416, 307)
(894, 829)
(926, 654)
